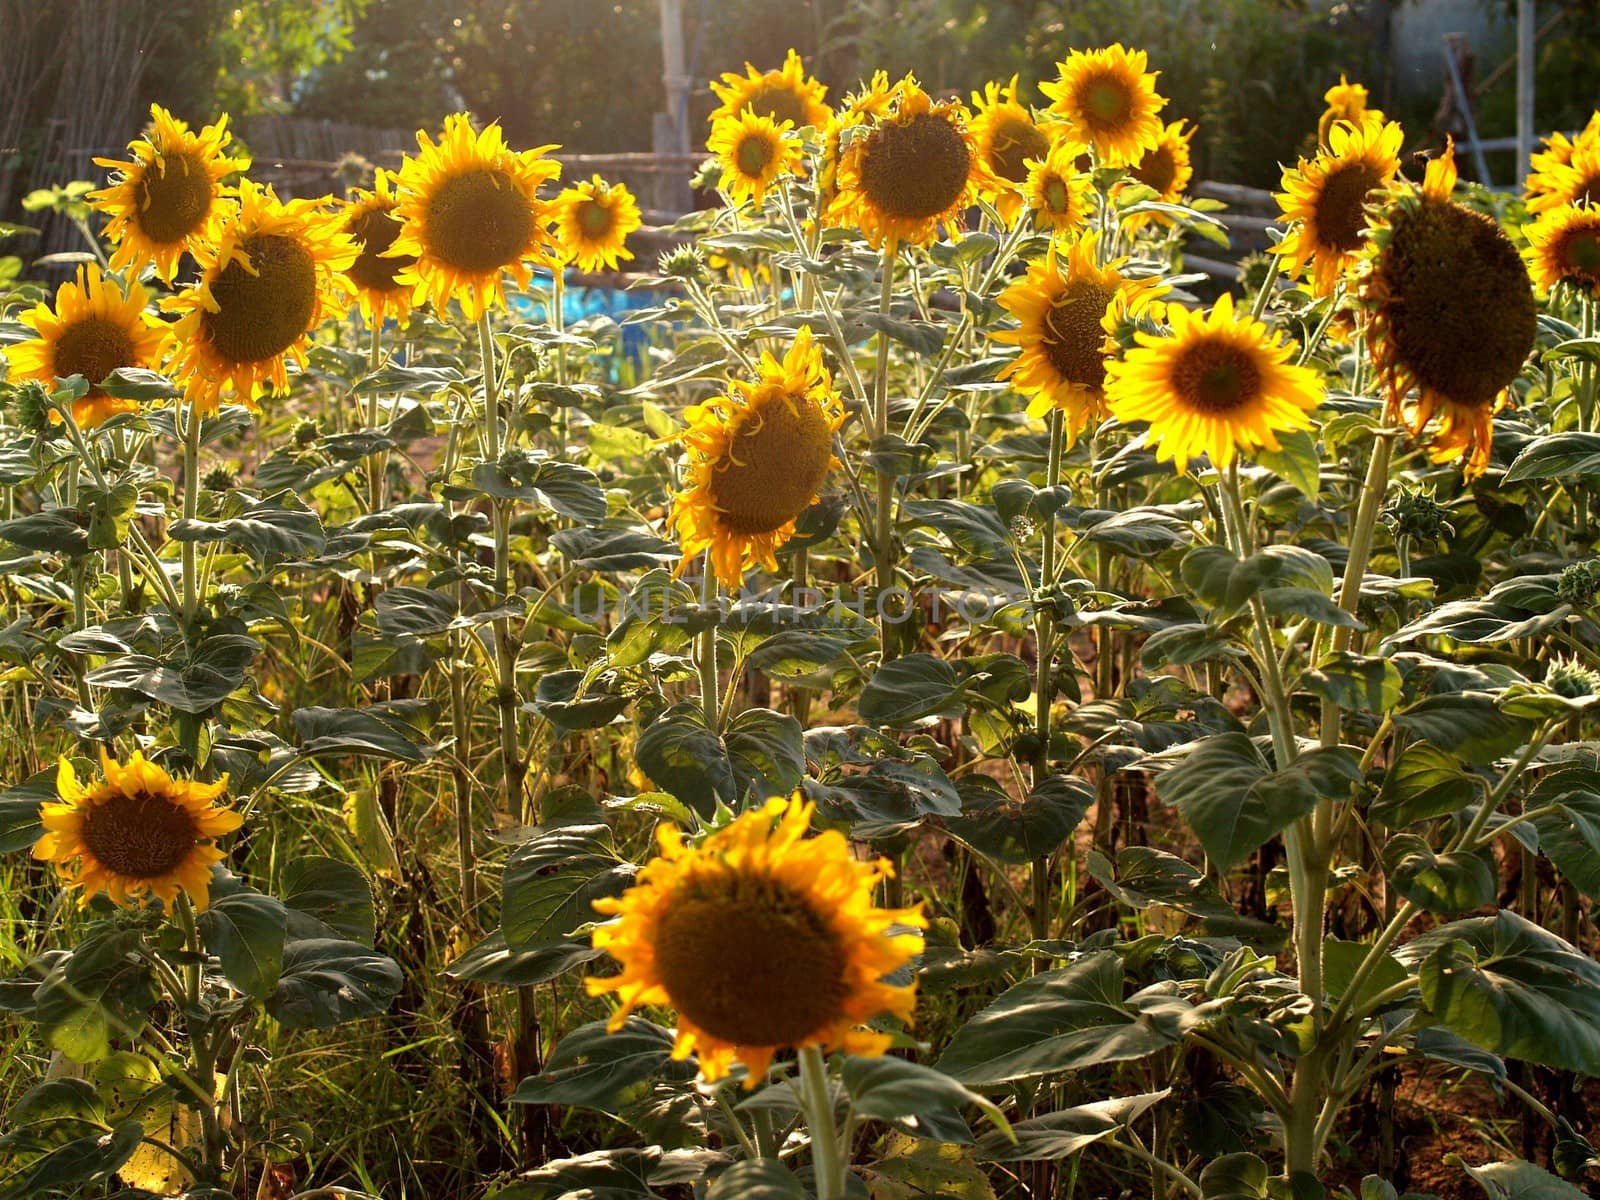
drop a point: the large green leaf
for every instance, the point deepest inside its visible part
(326, 897)
(1423, 782)
(1468, 723)
(1059, 1134)
(328, 981)
(757, 1179)
(1441, 882)
(1018, 832)
(1521, 1180)
(917, 1099)
(593, 1068)
(246, 930)
(906, 691)
(492, 961)
(1570, 834)
(553, 880)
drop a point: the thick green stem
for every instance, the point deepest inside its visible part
(705, 649)
(505, 651)
(377, 463)
(827, 1160)
(1044, 653)
(883, 542)
(191, 509)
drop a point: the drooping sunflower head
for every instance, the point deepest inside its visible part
(754, 152)
(1346, 101)
(758, 457)
(370, 222)
(1058, 192)
(1565, 249)
(1219, 385)
(593, 221)
(1062, 331)
(136, 833)
(1008, 138)
(909, 171)
(762, 939)
(1165, 169)
(1325, 200)
(1110, 101)
(168, 197)
(94, 327)
(1576, 181)
(278, 270)
(784, 94)
(472, 213)
(1452, 314)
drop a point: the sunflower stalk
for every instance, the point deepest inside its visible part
(827, 1159)
(1044, 653)
(883, 541)
(705, 652)
(191, 510)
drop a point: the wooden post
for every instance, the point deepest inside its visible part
(1526, 40)
(670, 131)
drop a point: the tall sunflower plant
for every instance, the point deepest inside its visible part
(942, 693)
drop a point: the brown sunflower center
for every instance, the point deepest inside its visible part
(916, 168)
(1340, 215)
(1216, 376)
(261, 315)
(1073, 334)
(1106, 102)
(374, 229)
(778, 101)
(751, 962)
(752, 155)
(139, 836)
(1157, 170)
(1579, 252)
(778, 457)
(1459, 314)
(174, 197)
(1015, 141)
(478, 221)
(1057, 195)
(93, 347)
(595, 219)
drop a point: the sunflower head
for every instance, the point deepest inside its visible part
(1219, 385)
(1062, 331)
(1451, 311)
(1165, 169)
(1008, 138)
(370, 223)
(168, 196)
(1557, 150)
(471, 213)
(908, 171)
(94, 327)
(762, 939)
(1110, 101)
(1576, 181)
(1325, 200)
(1346, 101)
(592, 224)
(758, 457)
(1058, 192)
(135, 833)
(753, 151)
(1564, 248)
(785, 94)
(277, 271)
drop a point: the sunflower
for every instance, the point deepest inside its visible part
(753, 151)
(471, 211)
(274, 275)
(1166, 170)
(760, 454)
(786, 94)
(593, 221)
(370, 222)
(169, 197)
(1057, 192)
(1008, 138)
(1220, 384)
(1452, 314)
(874, 101)
(1346, 101)
(762, 939)
(1324, 200)
(135, 834)
(94, 328)
(1576, 181)
(1109, 100)
(1559, 149)
(908, 171)
(1565, 248)
(1063, 330)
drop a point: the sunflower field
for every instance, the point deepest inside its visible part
(941, 702)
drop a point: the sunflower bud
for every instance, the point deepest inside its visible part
(1579, 582)
(1415, 513)
(218, 479)
(305, 433)
(683, 262)
(1568, 679)
(1022, 527)
(30, 406)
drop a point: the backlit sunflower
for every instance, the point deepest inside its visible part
(276, 273)
(136, 833)
(1063, 326)
(1166, 170)
(1346, 101)
(1110, 101)
(1558, 149)
(909, 171)
(592, 223)
(754, 151)
(873, 101)
(1452, 314)
(1324, 200)
(757, 459)
(1576, 181)
(472, 213)
(785, 94)
(93, 328)
(168, 197)
(1007, 138)
(1219, 385)
(1565, 248)
(762, 939)
(370, 222)
(1057, 192)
